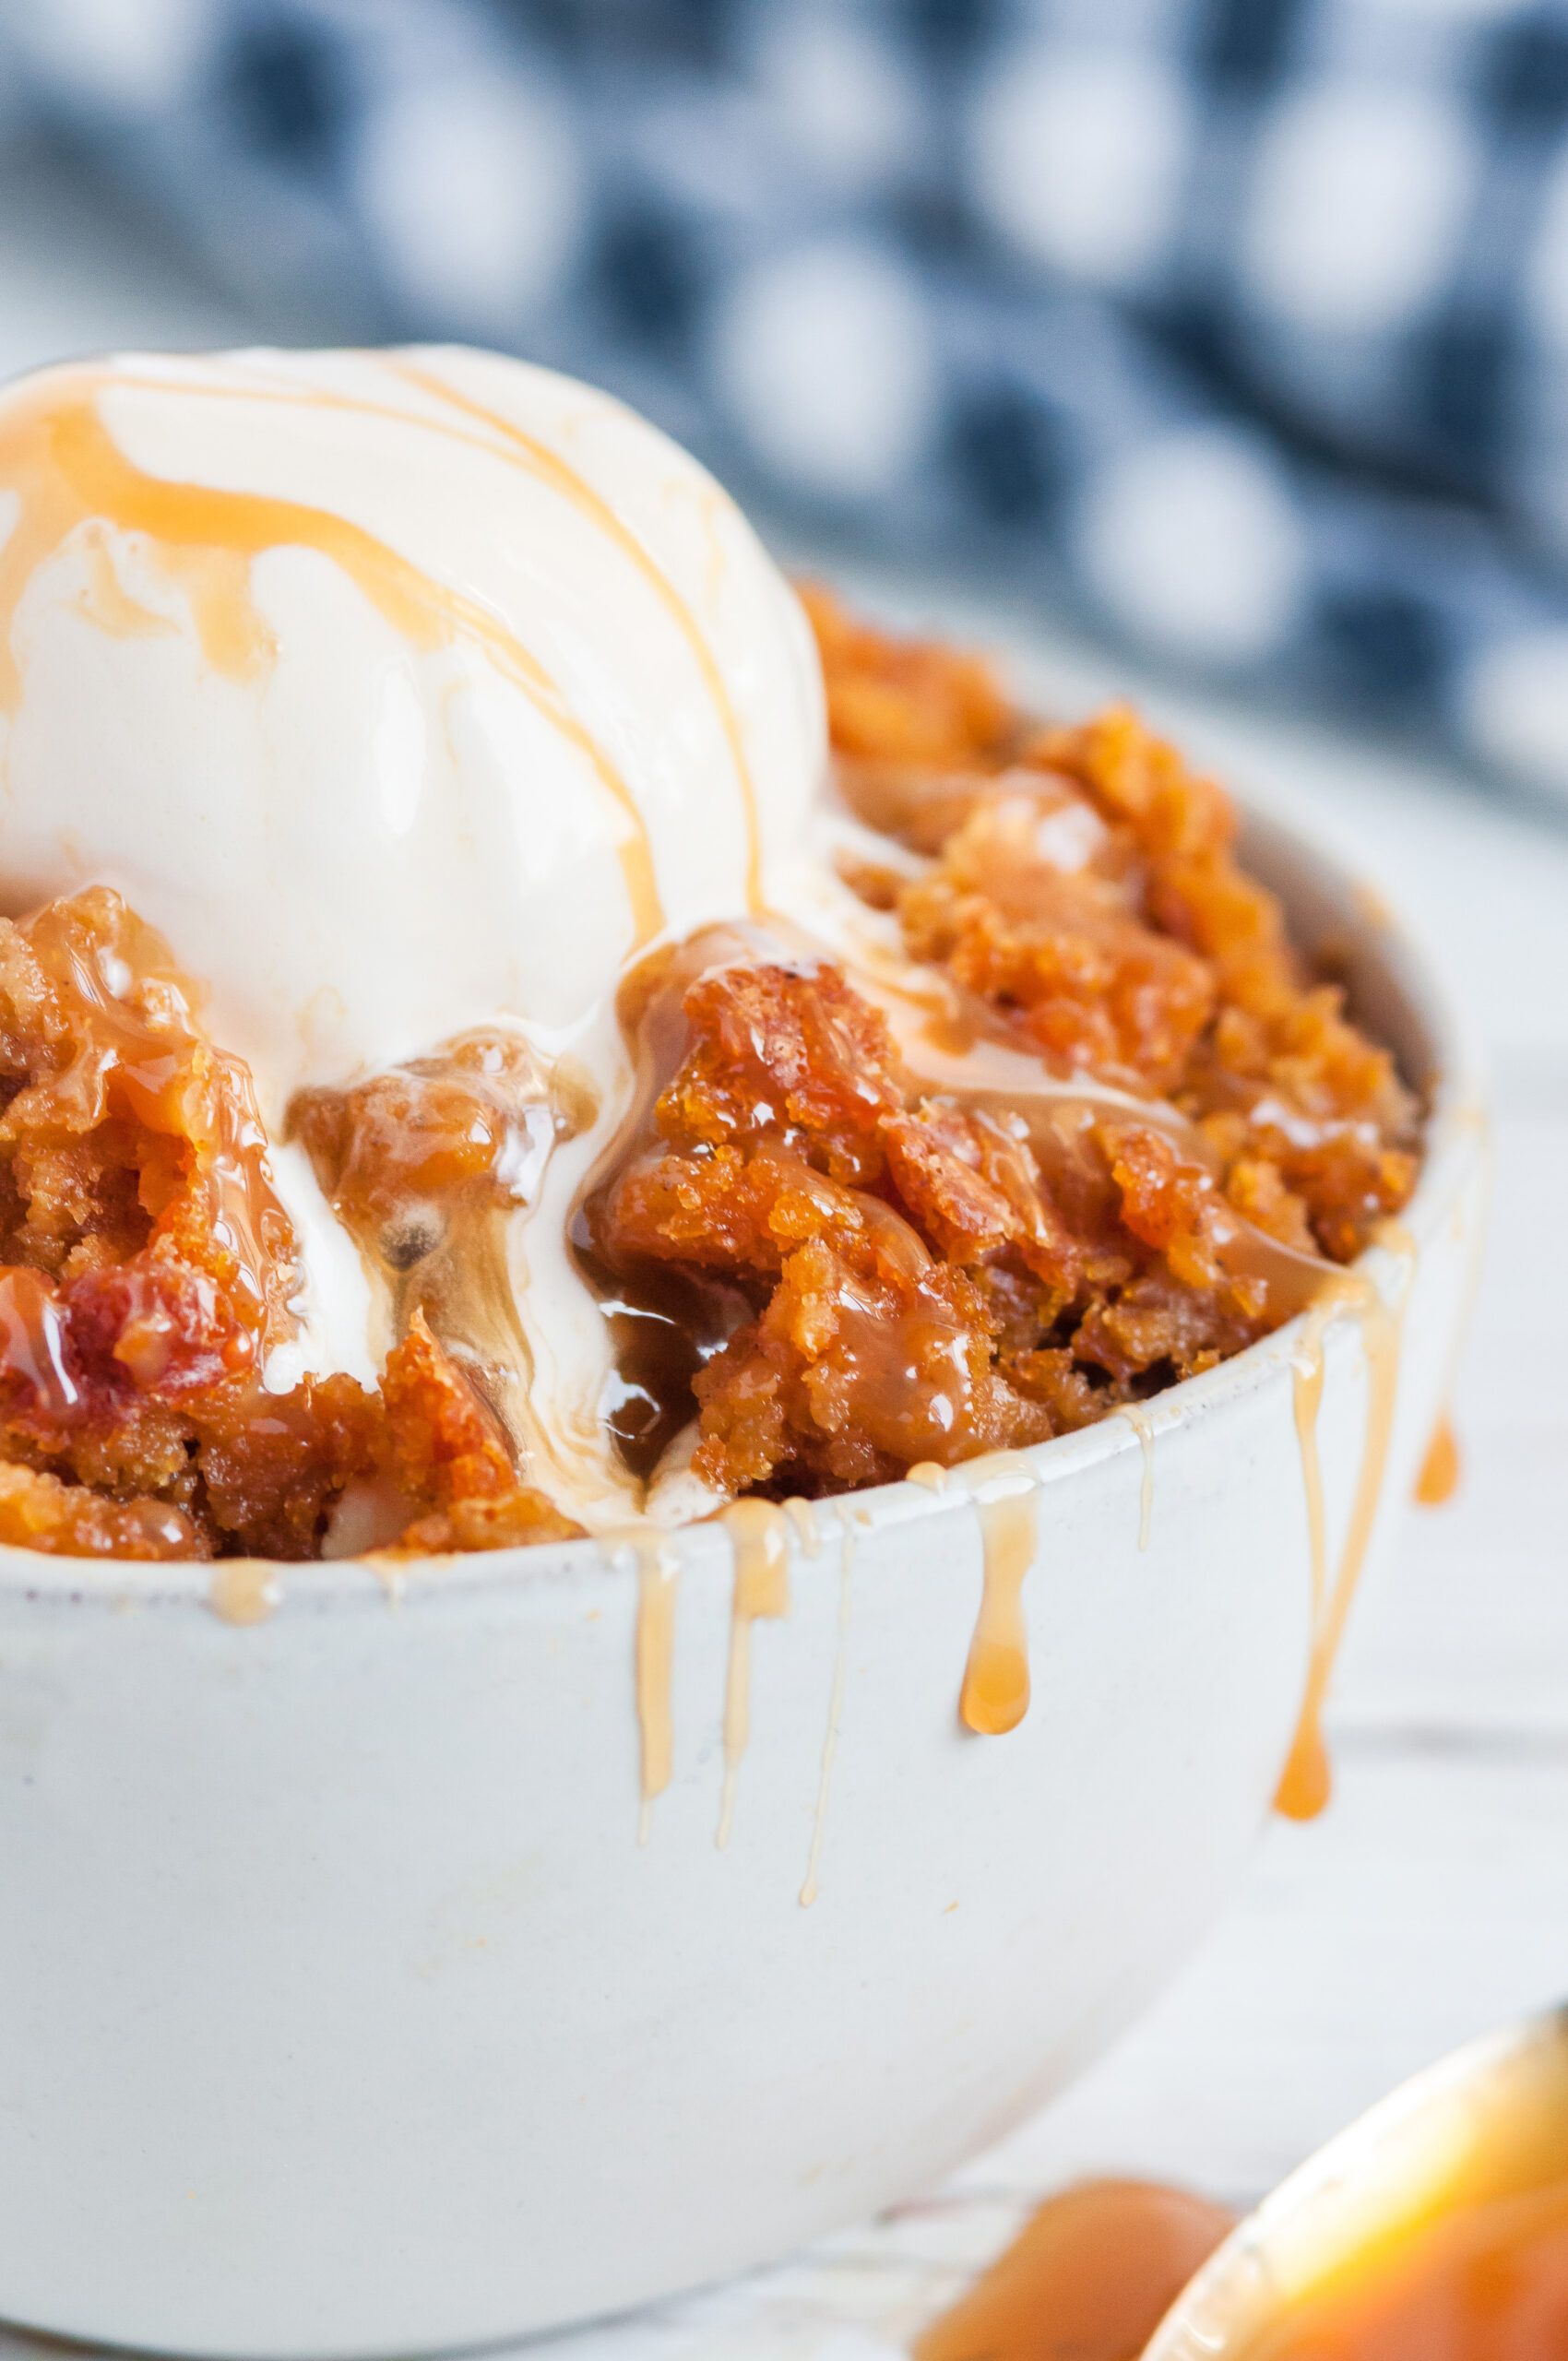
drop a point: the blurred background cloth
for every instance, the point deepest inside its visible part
(1237, 327)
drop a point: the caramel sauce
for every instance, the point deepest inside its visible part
(245, 1590)
(56, 451)
(954, 1046)
(1307, 1782)
(392, 1573)
(659, 1576)
(34, 1342)
(1090, 2278)
(995, 1693)
(1139, 1420)
(1439, 1478)
(757, 1533)
(1307, 1376)
(665, 1321)
(808, 1533)
(108, 606)
(704, 1080)
(476, 1118)
(835, 1706)
(550, 469)
(423, 1165)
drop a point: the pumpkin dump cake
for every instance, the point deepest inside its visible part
(475, 1068)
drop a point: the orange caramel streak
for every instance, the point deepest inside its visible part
(1439, 1478)
(759, 1537)
(995, 1694)
(1091, 2275)
(659, 1577)
(55, 450)
(1096, 2269)
(551, 469)
(1307, 1782)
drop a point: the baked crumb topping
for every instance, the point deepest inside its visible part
(148, 1268)
(835, 1244)
(931, 1273)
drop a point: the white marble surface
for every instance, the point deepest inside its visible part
(1431, 1901)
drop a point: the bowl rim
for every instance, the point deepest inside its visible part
(1455, 1141)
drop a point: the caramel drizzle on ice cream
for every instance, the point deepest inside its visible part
(549, 468)
(58, 455)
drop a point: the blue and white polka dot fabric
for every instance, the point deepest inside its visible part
(1242, 324)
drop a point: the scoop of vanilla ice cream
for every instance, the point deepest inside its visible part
(405, 693)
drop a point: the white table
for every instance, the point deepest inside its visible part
(1432, 1900)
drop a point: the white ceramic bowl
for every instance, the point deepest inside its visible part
(341, 2010)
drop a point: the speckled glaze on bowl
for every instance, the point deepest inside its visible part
(341, 2009)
